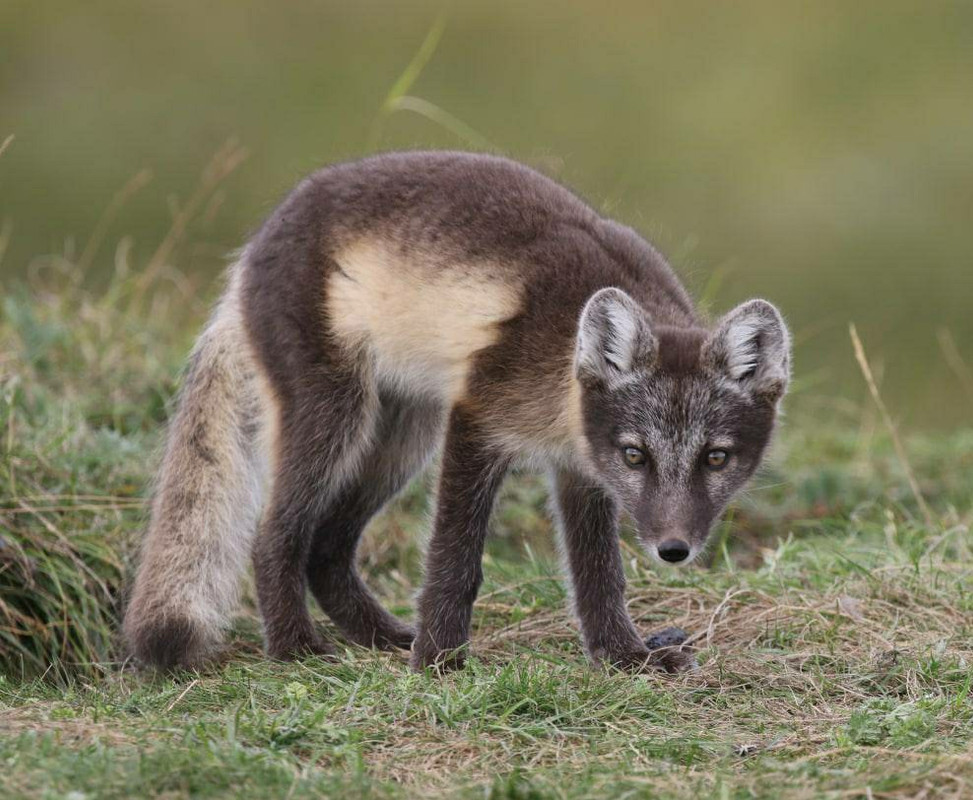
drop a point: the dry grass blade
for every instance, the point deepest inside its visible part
(223, 163)
(893, 431)
(182, 694)
(442, 117)
(408, 77)
(6, 143)
(955, 360)
(122, 196)
(6, 229)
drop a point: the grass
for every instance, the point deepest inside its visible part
(833, 622)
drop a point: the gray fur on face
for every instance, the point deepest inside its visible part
(676, 395)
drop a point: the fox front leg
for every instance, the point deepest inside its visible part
(588, 522)
(470, 478)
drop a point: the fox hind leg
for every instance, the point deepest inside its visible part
(406, 432)
(322, 434)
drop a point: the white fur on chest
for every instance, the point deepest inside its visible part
(421, 322)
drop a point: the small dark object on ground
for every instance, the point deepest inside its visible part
(676, 655)
(667, 637)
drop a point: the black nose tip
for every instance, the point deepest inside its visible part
(673, 551)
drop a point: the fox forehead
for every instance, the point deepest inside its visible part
(680, 349)
(681, 402)
(678, 413)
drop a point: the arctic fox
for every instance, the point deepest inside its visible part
(415, 301)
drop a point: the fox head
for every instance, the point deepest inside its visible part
(677, 419)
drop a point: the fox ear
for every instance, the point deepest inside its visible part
(751, 345)
(614, 338)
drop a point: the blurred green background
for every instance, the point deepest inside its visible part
(820, 155)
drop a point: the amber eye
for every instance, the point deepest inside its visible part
(634, 457)
(716, 459)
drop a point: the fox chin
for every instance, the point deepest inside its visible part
(418, 302)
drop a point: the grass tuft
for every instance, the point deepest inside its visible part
(81, 399)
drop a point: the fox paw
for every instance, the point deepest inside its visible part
(299, 647)
(635, 660)
(442, 661)
(401, 636)
(381, 637)
(670, 660)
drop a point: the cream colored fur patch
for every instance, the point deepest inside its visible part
(422, 321)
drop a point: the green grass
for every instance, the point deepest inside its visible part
(833, 624)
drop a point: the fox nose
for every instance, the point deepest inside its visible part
(673, 551)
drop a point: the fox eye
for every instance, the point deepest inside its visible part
(716, 459)
(634, 457)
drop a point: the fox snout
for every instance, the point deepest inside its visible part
(673, 545)
(672, 548)
(675, 551)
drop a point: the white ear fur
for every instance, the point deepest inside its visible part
(751, 345)
(614, 338)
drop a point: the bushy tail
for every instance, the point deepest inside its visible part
(206, 504)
